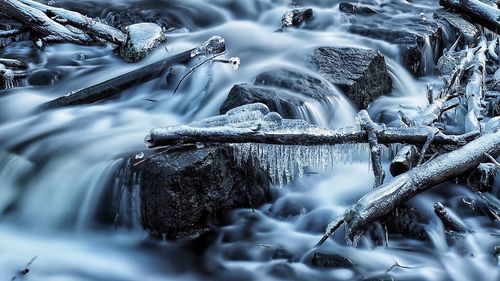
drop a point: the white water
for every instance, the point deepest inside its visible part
(62, 172)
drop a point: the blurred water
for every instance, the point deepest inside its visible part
(62, 172)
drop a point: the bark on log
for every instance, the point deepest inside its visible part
(41, 24)
(449, 223)
(371, 130)
(114, 85)
(477, 11)
(144, 74)
(378, 203)
(13, 63)
(272, 129)
(89, 25)
(406, 158)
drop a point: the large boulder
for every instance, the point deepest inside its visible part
(413, 41)
(361, 74)
(185, 191)
(287, 92)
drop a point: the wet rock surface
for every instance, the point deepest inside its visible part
(284, 91)
(459, 25)
(142, 38)
(328, 260)
(356, 8)
(185, 191)
(361, 74)
(412, 41)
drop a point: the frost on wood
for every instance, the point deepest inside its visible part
(212, 46)
(271, 128)
(283, 147)
(378, 203)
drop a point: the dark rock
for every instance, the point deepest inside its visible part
(407, 222)
(281, 253)
(283, 271)
(284, 91)
(42, 77)
(356, 8)
(316, 221)
(458, 25)
(291, 206)
(467, 207)
(361, 74)
(184, 191)
(482, 178)
(295, 18)
(330, 260)
(411, 41)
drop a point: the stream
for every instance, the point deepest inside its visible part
(62, 171)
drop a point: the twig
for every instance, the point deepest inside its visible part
(396, 264)
(194, 68)
(493, 160)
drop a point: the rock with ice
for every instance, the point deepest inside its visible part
(141, 39)
(291, 93)
(283, 162)
(214, 45)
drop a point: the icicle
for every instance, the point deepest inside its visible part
(284, 162)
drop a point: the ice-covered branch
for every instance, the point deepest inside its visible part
(42, 24)
(89, 25)
(380, 202)
(144, 74)
(240, 126)
(477, 11)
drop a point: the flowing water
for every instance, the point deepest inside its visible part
(62, 171)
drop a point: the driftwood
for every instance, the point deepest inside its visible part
(477, 11)
(144, 74)
(89, 25)
(380, 202)
(405, 159)
(244, 127)
(56, 24)
(41, 24)
(449, 223)
(371, 130)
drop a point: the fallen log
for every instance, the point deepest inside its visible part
(477, 11)
(406, 158)
(272, 129)
(474, 89)
(89, 25)
(144, 74)
(13, 63)
(449, 223)
(380, 202)
(41, 24)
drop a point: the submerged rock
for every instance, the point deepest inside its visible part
(42, 77)
(187, 190)
(361, 74)
(326, 260)
(141, 39)
(356, 8)
(285, 91)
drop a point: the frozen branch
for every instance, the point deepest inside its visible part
(380, 202)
